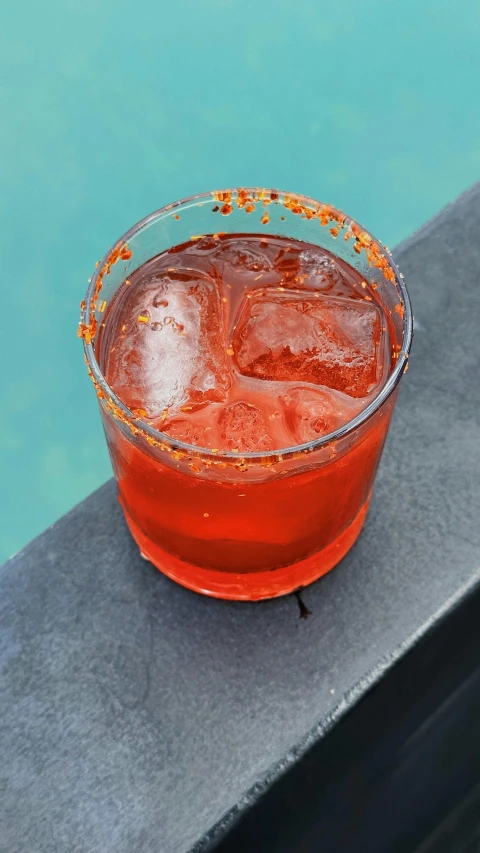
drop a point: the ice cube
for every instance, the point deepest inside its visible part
(232, 258)
(318, 270)
(311, 413)
(185, 430)
(310, 268)
(243, 427)
(301, 337)
(204, 245)
(243, 257)
(169, 350)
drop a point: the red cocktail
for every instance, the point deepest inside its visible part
(246, 378)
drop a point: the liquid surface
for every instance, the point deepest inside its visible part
(245, 343)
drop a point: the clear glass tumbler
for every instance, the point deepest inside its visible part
(257, 525)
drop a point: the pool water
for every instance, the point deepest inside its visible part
(110, 111)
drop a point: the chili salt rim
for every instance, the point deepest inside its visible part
(248, 199)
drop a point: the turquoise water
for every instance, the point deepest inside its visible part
(108, 111)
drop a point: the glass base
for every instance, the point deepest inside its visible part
(250, 586)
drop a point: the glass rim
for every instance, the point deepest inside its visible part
(139, 426)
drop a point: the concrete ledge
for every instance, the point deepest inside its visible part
(137, 717)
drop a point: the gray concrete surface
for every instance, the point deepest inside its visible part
(134, 714)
